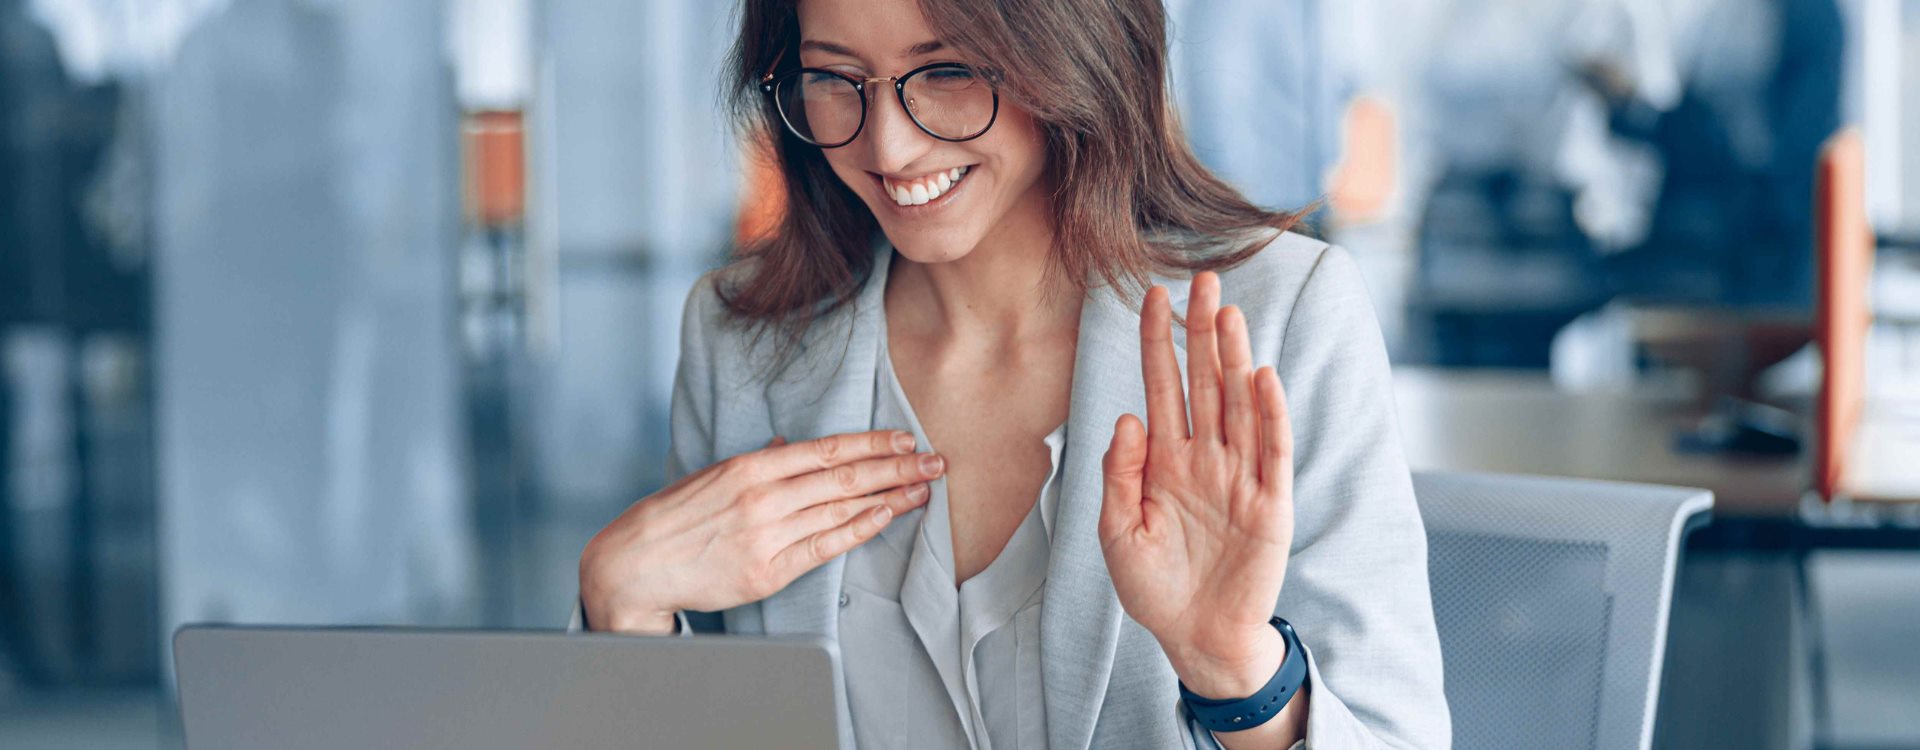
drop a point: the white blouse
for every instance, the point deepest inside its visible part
(928, 665)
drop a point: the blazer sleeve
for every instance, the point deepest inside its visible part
(691, 421)
(1356, 588)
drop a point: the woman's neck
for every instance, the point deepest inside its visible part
(1005, 291)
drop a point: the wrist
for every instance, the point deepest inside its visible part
(606, 608)
(1217, 678)
(1272, 715)
(650, 623)
(630, 620)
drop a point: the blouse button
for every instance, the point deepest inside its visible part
(843, 599)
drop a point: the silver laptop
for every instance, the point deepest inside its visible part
(297, 688)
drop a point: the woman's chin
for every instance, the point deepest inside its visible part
(929, 247)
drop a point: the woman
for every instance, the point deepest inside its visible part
(977, 195)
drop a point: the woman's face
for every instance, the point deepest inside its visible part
(1001, 186)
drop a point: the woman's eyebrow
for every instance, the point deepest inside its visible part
(923, 48)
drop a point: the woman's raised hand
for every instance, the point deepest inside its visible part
(1197, 523)
(742, 529)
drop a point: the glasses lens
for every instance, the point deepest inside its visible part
(821, 108)
(951, 102)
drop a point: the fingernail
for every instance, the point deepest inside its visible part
(902, 442)
(881, 516)
(931, 465)
(918, 492)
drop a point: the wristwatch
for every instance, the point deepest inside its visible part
(1239, 714)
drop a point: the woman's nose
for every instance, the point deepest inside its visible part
(893, 139)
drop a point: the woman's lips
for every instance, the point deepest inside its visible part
(924, 192)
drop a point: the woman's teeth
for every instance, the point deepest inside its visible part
(924, 189)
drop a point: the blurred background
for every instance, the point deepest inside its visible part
(365, 312)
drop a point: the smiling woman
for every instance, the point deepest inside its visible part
(1078, 139)
(992, 221)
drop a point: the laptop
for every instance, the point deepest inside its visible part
(312, 688)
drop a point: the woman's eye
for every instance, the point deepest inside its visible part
(949, 79)
(823, 84)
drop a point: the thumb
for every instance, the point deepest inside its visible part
(1124, 468)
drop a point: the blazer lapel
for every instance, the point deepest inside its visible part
(827, 390)
(1080, 620)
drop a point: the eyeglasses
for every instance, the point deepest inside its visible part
(947, 100)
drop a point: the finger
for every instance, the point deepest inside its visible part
(825, 516)
(816, 549)
(1276, 434)
(1203, 357)
(1240, 421)
(1166, 405)
(857, 479)
(794, 459)
(1124, 468)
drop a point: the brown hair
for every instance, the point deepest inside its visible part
(1129, 196)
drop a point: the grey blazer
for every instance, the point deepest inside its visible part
(1356, 586)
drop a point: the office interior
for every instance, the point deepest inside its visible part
(366, 312)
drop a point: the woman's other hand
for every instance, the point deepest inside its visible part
(1197, 523)
(742, 529)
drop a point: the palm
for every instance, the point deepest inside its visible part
(1196, 524)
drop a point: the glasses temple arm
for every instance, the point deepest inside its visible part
(775, 65)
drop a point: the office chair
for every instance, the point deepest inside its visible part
(1551, 597)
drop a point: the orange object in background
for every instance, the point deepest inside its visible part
(1362, 183)
(493, 151)
(1844, 249)
(763, 195)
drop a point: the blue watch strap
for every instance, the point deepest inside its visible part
(1238, 714)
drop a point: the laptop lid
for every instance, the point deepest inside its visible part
(301, 688)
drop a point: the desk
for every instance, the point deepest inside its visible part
(1515, 421)
(1742, 588)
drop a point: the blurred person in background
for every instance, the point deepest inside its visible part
(26, 57)
(1523, 184)
(1301, 103)
(1262, 88)
(976, 207)
(1731, 110)
(1759, 92)
(1295, 103)
(73, 321)
(1654, 150)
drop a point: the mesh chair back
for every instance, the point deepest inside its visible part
(1551, 597)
